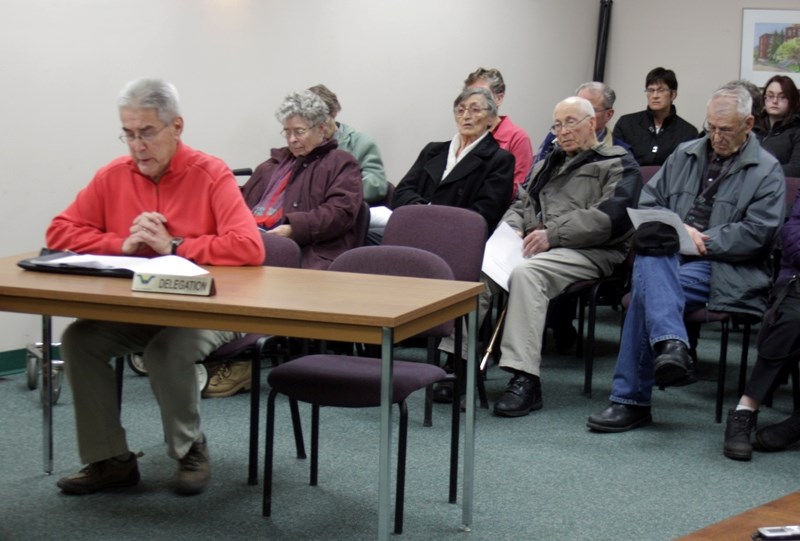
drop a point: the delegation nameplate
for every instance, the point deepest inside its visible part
(168, 283)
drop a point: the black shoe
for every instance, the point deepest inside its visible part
(565, 338)
(779, 436)
(620, 418)
(523, 394)
(673, 364)
(443, 392)
(737, 434)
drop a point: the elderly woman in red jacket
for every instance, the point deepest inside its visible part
(309, 190)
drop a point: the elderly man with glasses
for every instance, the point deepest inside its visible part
(602, 98)
(729, 194)
(164, 198)
(573, 221)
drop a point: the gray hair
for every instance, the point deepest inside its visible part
(755, 93)
(738, 93)
(585, 105)
(467, 92)
(609, 96)
(151, 94)
(492, 76)
(304, 104)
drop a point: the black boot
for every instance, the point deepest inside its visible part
(673, 365)
(779, 436)
(738, 428)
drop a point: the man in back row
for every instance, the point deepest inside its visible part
(729, 193)
(165, 198)
(602, 98)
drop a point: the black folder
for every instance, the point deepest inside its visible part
(32, 264)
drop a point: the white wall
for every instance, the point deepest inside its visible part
(699, 39)
(396, 66)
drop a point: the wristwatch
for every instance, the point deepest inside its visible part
(174, 243)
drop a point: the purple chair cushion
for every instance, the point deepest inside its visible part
(348, 382)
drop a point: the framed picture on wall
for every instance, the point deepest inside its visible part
(770, 44)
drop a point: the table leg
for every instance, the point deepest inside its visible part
(47, 392)
(385, 460)
(469, 419)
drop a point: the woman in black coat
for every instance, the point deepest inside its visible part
(471, 171)
(778, 128)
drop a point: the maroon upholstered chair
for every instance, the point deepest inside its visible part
(355, 382)
(456, 235)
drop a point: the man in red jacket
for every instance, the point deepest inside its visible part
(165, 198)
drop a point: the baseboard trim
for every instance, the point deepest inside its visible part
(12, 362)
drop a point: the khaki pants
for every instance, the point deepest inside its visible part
(531, 286)
(169, 356)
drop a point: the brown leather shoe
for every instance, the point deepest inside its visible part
(102, 475)
(228, 379)
(194, 470)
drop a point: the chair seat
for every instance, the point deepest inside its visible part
(703, 315)
(348, 382)
(234, 348)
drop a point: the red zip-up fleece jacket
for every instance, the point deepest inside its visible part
(197, 194)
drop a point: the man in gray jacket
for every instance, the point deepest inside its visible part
(729, 193)
(574, 224)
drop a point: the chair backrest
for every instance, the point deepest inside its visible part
(386, 200)
(393, 261)
(362, 224)
(792, 187)
(397, 261)
(280, 251)
(456, 235)
(648, 171)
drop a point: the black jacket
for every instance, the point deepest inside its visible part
(649, 148)
(482, 181)
(782, 141)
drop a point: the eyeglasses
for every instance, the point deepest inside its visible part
(570, 124)
(472, 109)
(775, 97)
(298, 133)
(723, 132)
(147, 135)
(657, 91)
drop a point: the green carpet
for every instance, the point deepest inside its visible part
(544, 476)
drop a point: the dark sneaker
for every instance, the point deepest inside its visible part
(739, 426)
(523, 394)
(97, 476)
(779, 436)
(194, 471)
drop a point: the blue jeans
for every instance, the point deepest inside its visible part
(663, 288)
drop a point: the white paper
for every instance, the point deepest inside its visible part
(503, 252)
(378, 216)
(167, 264)
(640, 216)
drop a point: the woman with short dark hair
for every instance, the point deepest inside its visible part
(655, 132)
